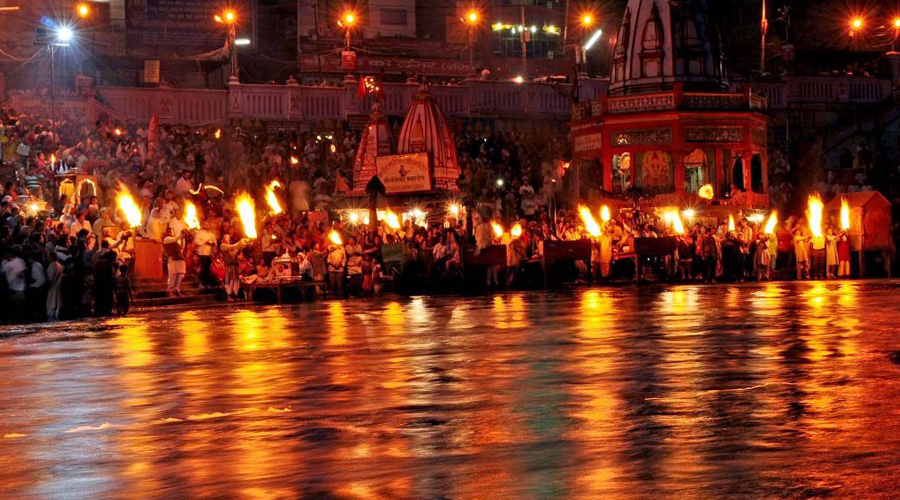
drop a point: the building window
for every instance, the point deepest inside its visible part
(699, 169)
(393, 17)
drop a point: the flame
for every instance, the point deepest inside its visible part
(845, 214)
(516, 231)
(815, 214)
(335, 237)
(247, 211)
(605, 216)
(52, 159)
(218, 133)
(391, 220)
(498, 229)
(730, 222)
(590, 224)
(117, 131)
(126, 203)
(706, 192)
(190, 215)
(333, 148)
(271, 199)
(676, 222)
(294, 160)
(770, 224)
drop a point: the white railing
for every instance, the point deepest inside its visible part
(293, 102)
(821, 89)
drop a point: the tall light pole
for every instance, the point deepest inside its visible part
(471, 20)
(856, 26)
(348, 21)
(585, 22)
(764, 28)
(896, 25)
(62, 37)
(229, 19)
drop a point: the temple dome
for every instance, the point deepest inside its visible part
(662, 43)
(375, 141)
(425, 130)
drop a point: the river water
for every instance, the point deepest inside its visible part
(786, 390)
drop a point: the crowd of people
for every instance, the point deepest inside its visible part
(72, 254)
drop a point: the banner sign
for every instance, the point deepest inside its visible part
(404, 173)
(394, 65)
(181, 25)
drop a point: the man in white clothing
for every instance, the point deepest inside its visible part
(205, 245)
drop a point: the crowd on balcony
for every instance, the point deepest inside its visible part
(67, 256)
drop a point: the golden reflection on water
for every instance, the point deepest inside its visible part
(682, 392)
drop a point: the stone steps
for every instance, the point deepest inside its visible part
(152, 293)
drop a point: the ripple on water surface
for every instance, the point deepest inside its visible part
(760, 391)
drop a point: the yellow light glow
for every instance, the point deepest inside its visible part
(349, 18)
(772, 222)
(472, 16)
(516, 231)
(814, 214)
(272, 199)
(117, 131)
(706, 192)
(677, 226)
(454, 210)
(730, 222)
(218, 133)
(897, 22)
(353, 217)
(335, 237)
(587, 218)
(83, 10)
(126, 203)
(52, 159)
(689, 214)
(519, 79)
(229, 16)
(391, 219)
(498, 229)
(33, 208)
(857, 22)
(190, 215)
(605, 215)
(218, 18)
(845, 214)
(246, 210)
(587, 20)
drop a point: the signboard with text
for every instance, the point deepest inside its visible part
(408, 173)
(178, 25)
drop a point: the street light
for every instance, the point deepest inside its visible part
(229, 18)
(348, 20)
(587, 20)
(471, 20)
(63, 36)
(83, 10)
(896, 25)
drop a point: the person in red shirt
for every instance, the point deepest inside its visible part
(785, 247)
